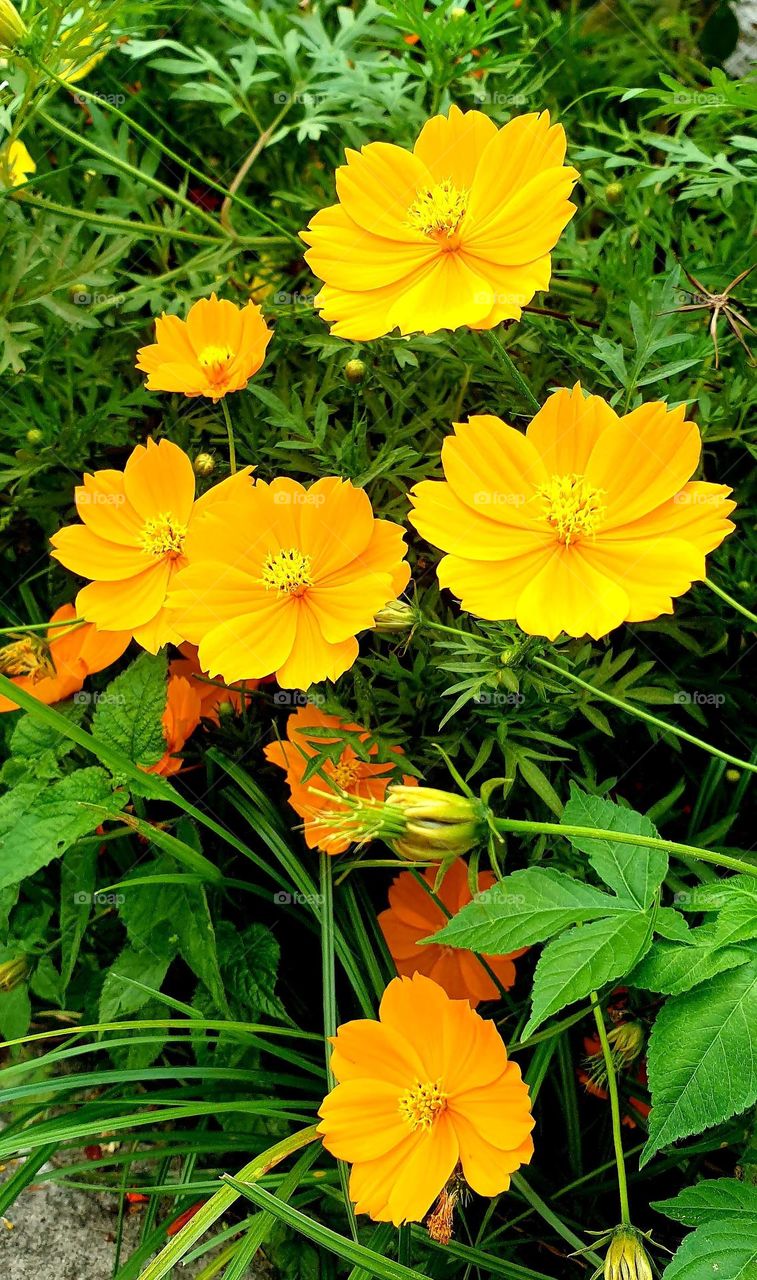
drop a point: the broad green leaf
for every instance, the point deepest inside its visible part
(36, 749)
(585, 959)
(669, 923)
(39, 823)
(725, 1249)
(119, 997)
(633, 871)
(713, 1198)
(128, 714)
(702, 1059)
(526, 907)
(15, 1012)
(672, 968)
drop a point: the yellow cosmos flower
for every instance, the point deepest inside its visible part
(215, 350)
(15, 164)
(83, 61)
(457, 232)
(281, 578)
(583, 523)
(132, 541)
(427, 1088)
(12, 26)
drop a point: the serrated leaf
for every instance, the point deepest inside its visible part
(717, 1250)
(39, 822)
(633, 871)
(526, 907)
(672, 969)
(702, 1057)
(585, 959)
(669, 923)
(128, 714)
(720, 1198)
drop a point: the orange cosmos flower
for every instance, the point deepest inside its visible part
(583, 523)
(413, 915)
(212, 696)
(55, 666)
(215, 350)
(457, 232)
(427, 1087)
(180, 719)
(281, 578)
(349, 773)
(131, 543)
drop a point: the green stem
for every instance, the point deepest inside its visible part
(514, 372)
(664, 725)
(740, 608)
(612, 1089)
(41, 626)
(518, 826)
(132, 225)
(549, 1216)
(230, 434)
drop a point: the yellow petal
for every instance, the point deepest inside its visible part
(570, 595)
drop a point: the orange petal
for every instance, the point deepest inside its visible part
(122, 606)
(377, 187)
(566, 429)
(83, 552)
(649, 570)
(451, 146)
(348, 257)
(103, 506)
(159, 478)
(643, 461)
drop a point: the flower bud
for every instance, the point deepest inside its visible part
(626, 1041)
(34, 436)
(613, 192)
(626, 1257)
(395, 616)
(204, 464)
(12, 972)
(12, 26)
(435, 824)
(355, 371)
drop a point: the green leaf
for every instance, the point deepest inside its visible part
(633, 871)
(15, 1012)
(119, 996)
(38, 822)
(128, 714)
(702, 1059)
(672, 968)
(585, 959)
(523, 908)
(718, 1249)
(36, 749)
(713, 1198)
(77, 884)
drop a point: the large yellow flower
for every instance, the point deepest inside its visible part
(281, 578)
(456, 232)
(16, 164)
(215, 350)
(426, 1088)
(132, 541)
(583, 523)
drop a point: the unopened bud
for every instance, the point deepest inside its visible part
(435, 824)
(733, 775)
(355, 371)
(12, 972)
(626, 1041)
(12, 26)
(626, 1257)
(34, 436)
(395, 616)
(613, 192)
(204, 464)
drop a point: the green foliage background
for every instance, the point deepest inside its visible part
(171, 935)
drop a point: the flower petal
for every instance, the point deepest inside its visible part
(377, 187)
(159, 478)
(451, 146)
(643, 461)
(566, 429)
(569, 594)
(354, 259)
(83, 552)
(650, 571)
(125, 605)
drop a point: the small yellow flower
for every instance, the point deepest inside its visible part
(15, 164)
(12, 25)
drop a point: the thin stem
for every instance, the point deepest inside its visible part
(230, 434)
(740, 608)
(612, 1089)
(41, 626)
(132, 225)
(516, 825)
(514, 372)
(647, 716)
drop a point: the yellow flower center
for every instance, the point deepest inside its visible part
(215, 361)
(346, 774)
(438, 211)
(29, 656)
(421, 1106)
(163, 536)
(287, 571)
(572, 506)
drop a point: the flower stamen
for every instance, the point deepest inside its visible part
(215, 361)
(438, 211)
(288, 571)
(29, 656)
(162, 535)
(421, 1105)
(572, 506)
(346, 773)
